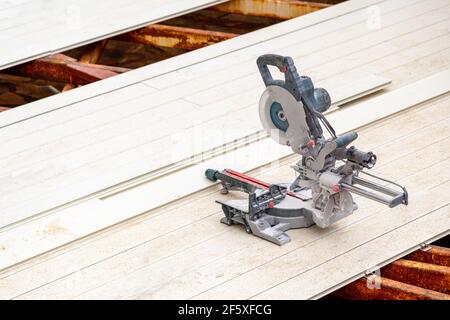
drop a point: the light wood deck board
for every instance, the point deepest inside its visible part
(390, 246)
(238, 261)
(19, 145)
(122, 141)
(424, 116)
(415, 182)
(212, 78)
(99, 183)
(212, 71)
(176, 63)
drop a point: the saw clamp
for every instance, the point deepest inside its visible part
(328, 173)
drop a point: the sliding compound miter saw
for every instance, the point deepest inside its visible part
(329, 171)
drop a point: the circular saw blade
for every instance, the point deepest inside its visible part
(273, 118)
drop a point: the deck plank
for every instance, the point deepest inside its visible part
(144, 255)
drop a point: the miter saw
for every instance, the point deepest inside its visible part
(329, 171)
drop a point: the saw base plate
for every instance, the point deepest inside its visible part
(272, 224)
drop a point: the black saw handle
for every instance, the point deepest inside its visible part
(284, 64)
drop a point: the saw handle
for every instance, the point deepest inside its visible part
(284, 64)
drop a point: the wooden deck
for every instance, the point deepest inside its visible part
(90, 182)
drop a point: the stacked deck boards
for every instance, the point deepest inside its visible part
(123, 151)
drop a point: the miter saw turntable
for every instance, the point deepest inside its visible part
(329, 171)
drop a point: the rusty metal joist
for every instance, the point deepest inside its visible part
(278, 9)
(175, 37)
(433, 254)
(66, 69)
(423, 274)
(420, 274)
(387, 289)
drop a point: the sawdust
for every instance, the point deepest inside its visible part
(53, 228)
